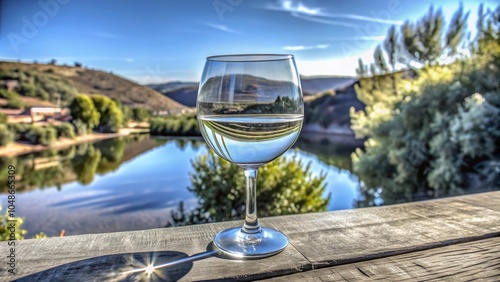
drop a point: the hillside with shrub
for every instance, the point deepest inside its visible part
(50, 82)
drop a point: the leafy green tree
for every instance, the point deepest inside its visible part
(437, 134)
(111, 116)
(83, 110)
(285, 186)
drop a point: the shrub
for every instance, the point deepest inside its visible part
(3, 118)
(19, 130)
(6, 221)
(14, 103)
(6, 136)
(80, 127)
(83, 109)
(42, 135)
(140, 114)
(111, 116)
(186, 125)
(65, 130)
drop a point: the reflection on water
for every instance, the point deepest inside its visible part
(127, 183)
(138, 182)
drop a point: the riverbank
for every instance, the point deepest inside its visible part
(16, 148)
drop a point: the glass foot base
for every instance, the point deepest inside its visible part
(262, 244)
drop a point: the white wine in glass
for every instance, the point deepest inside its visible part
(250, 110)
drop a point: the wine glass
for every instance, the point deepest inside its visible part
(250, 110)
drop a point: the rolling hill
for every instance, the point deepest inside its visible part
(90, 81)
(186, 92)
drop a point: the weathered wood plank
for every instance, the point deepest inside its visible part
(321, 239)
(477, 260)
(360, 234)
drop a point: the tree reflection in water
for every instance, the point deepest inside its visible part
(284, 186)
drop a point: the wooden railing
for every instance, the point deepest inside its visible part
(450, 239)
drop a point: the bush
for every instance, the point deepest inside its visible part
(3, 118)
(42, 135)
(186, 125)
(65, 130)
(6, 221)
(83, 109)
(140, 114)
(15, 103)
(111, 116)
(6, 136)
(19, 130)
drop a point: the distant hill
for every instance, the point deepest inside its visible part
(328, 112)
(186, 92)
(315, 85)
(88, 81)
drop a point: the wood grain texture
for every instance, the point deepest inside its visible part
(477, 260)
(316, 240)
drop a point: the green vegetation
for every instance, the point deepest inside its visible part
(6, 221)
(111, 116)
(3, 118)
(65, 129)
(13, 100)
(84, 113)
(6, 136)
(185, 125)
(438, 133)
(41, 135)
(81, 162)
(317, 109)
(40, 84)
(140, 114)
(285, 186)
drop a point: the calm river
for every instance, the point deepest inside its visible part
(134, 182)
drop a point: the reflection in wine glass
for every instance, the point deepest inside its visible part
(250, 110)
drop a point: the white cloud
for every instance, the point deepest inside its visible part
(302, 47)
(297, 6)
(315, 14)
(130, 60)
(222, 28)
(363, 18)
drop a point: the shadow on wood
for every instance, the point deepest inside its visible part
(123, 267)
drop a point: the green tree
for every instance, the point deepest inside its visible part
(456, 30)
(285, 186)
(391, 47)
(437, 135)
(423, 40)
(380, 62)
(111, 116)
(83, 110)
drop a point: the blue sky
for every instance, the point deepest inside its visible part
(154, 41)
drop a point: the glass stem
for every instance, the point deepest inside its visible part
(251, 223)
